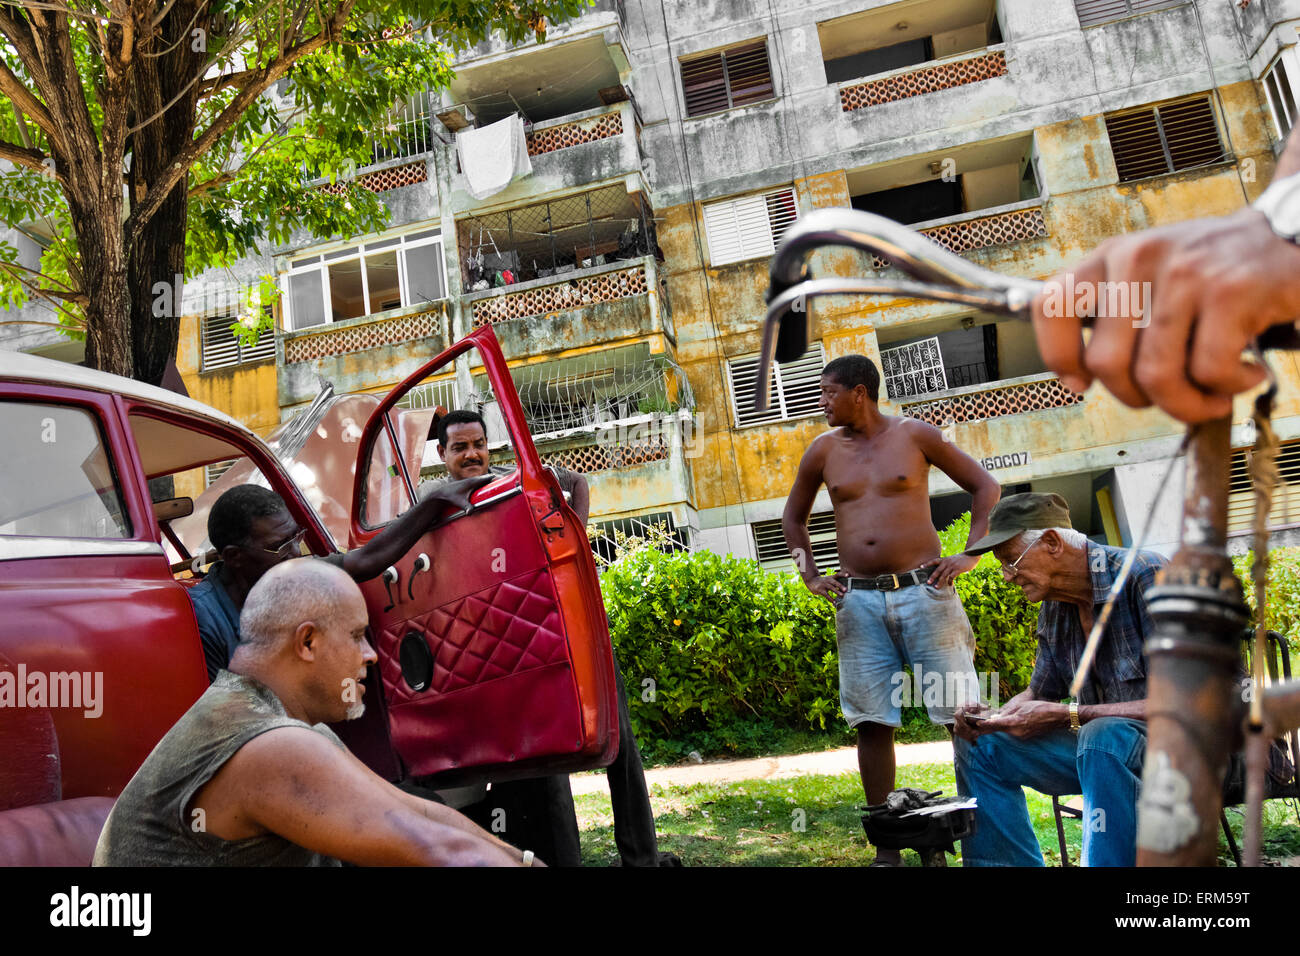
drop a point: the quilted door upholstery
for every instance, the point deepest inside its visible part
(501, 699)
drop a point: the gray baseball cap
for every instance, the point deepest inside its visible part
(1025, 512)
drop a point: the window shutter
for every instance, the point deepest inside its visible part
(782, 211)
(754, 227)
(796, 388)
(704, 84)
(1093, 12)
(1135, 142)
(222, 350)
(744, 373)
(1281, 98)
(1286, 499)
(1191, 133)
(722, 227)
(734, 77)
(749, 75)
(214, 471)
(773, 555)
(1164, 139)
(801, 386)
(748, 227)
(220, 347)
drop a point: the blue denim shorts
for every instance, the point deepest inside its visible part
(881, 632)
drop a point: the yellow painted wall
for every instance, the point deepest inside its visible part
(719, 311)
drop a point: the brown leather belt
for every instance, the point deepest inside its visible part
(892, 582)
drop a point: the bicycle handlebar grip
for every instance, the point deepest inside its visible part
(1282, 337)
(792, 338)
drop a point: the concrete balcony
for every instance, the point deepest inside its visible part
(1032, 428)
(349, 353)
(591, 23)
(960, 69)
(1013, 396)
(579, 149)
(983, 228)
(588, 307)
(633, 464)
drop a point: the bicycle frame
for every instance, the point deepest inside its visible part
(1195, 709)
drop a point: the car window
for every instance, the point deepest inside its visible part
(412, 423)
(56, 477)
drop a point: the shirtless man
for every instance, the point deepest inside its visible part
(893, 594)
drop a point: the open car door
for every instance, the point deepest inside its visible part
(494, 650)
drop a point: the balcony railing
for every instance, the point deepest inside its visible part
(1013, 396)
(565, 292)
(565, 132)
(983, 228)
(958, 70)
(391, 176)
(367, 332)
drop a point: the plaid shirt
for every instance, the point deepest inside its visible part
(1119, 671)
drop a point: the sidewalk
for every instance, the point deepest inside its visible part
(844, 760)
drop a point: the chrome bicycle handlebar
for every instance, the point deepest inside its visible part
(937, 274)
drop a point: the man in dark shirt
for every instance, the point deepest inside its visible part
(253, 531)
(1093, 746)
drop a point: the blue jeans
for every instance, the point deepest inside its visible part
(881, 632)
(1104, 763)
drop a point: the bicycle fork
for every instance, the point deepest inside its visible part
(1194, 703)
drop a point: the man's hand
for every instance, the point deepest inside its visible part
(455, 494)
(828, 587)
(1215, 284)
(1028, 718)
(947, 570)
(968, 729)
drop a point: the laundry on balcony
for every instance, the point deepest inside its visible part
(493, 156)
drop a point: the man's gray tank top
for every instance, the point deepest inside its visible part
(152, 823)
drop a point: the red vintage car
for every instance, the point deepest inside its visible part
(494, 652)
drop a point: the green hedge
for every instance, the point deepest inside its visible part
(1283, 591)
(736, 653)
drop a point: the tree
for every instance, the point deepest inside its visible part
(144, 139)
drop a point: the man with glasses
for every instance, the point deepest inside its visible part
(252, 531)
(1093, 746)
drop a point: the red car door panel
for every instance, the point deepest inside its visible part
(495, 662)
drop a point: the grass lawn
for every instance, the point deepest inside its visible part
(754, 823)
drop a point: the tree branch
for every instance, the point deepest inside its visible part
(179, 165)
(233, 174)
(15, 89)
(32, 159)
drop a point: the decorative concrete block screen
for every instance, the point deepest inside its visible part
(561, 296)
(590, 458)
(993, 403)
(573, 134)
(384, 180)
(924, 80)
(980, 233)
(358, 338)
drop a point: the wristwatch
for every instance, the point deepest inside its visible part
(1280, 204)
(1074, 716)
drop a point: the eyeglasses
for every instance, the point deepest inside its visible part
(291, 546)
(1009, 571)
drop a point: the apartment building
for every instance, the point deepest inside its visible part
(672, 143)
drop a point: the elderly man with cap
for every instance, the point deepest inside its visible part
(1093, 746)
